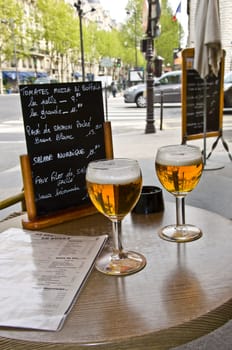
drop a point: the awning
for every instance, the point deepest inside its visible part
(77, 75)
(41, 74)
(9, 75)
(22, 75)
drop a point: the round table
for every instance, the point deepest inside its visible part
(183, 292)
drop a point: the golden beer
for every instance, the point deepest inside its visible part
(114, 200)
(179, 168)
(179, 179)
(114, 187)
(179, 171)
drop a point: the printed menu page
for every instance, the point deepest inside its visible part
(41, 275)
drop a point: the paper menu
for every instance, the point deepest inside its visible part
(41, 275)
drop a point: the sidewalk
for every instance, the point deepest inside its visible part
(214, 192)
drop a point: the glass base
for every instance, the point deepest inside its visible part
(129, 262)
(180, 233)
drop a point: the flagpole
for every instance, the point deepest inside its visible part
(179, 34)
(204, 121)
(178, 10)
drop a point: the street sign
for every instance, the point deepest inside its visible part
(136, 75)
(106, 62)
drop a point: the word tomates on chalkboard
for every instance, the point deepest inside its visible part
(64, 131)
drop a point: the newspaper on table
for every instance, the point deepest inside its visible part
(41, 275)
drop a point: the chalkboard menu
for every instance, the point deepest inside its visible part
(64, 132)
(196, 93)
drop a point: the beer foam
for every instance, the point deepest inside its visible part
(179, 155)
(113, 172)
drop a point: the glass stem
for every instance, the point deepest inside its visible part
(180, 210)
(117, 233)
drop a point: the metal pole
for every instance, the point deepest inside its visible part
(150, 121)
(134, 14)
(15, 53)
(81, 14)
(205, 121)
(135, 29)
(161, 109)
(154, 12)
(82, 46)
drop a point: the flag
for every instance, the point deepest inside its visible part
(178, 10)
(145, 16)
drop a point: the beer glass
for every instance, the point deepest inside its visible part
(114, 187)
(179, 168)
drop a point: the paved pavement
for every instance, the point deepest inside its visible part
(214, 192)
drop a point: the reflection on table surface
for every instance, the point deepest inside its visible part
(183, 292)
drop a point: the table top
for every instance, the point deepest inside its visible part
(183, 292)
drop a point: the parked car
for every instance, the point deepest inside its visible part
(228, 90)
(169, 83)
(45, 80)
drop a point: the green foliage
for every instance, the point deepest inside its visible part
(132, 33)
(11, 21)
(56, 23)
(170, 37)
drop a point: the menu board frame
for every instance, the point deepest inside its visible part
(193, 100)
(65, 129)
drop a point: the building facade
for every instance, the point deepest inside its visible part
(65, 69)
(225, 8)
(38, 62)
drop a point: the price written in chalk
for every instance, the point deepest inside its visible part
(64, 131)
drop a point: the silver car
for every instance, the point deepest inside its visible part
(167, 87)
(228, 90)
(45, 80)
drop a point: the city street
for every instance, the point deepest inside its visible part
(124, 118)
(129, 139)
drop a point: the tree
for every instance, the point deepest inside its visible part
(11, 33)
(169, 38)
(132, 33)
(54, 19)
(53, 29)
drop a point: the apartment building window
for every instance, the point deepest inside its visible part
(30, 62)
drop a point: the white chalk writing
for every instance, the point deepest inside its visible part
(72, 153)
(42, 159)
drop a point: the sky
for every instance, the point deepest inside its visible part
(116, 8)
(118, 12)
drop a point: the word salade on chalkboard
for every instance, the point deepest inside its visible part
(64, 131)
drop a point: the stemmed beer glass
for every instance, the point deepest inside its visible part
(114, 187)
(179, 168)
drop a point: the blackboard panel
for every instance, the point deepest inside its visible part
(193, 100)
(195, 103)
(64, 132)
